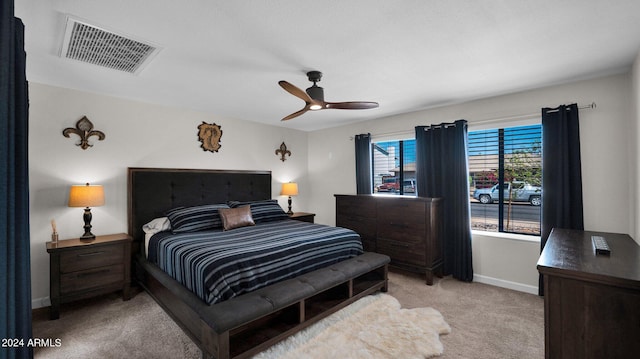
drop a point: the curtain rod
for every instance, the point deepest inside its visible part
(590, 106)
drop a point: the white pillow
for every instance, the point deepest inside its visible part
(153, 227)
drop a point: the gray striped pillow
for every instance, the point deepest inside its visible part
(263, 211)
(196, 218)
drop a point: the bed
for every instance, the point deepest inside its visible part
(228, 319)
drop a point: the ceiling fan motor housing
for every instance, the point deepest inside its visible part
(316, 93)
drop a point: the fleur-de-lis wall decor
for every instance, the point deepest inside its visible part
(84, 129)
(283, 151)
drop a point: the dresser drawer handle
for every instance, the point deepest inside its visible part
(395, 243)
(398, 244)
(357, 219)
(91, 254)
(399, 225)
(88, 274)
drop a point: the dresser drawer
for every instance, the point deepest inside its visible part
(411, 253)
(91, 278)
(365, 227)
(91, 257)
(402, 230)
(402, 209)
(364, 207)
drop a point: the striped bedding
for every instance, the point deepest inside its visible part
(218, 265)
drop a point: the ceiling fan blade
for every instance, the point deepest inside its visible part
(296, 114)
(301, 94)
(355, 105)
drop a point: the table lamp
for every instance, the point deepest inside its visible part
(86, 196)
(289, 189)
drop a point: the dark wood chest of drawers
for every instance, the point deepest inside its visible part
(591, 301)
(407, 229)
(81, 269)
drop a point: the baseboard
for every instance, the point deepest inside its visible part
(40, 302)
(531, 289)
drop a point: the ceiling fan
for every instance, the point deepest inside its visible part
(314, 98)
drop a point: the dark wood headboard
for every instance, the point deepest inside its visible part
(153, 191)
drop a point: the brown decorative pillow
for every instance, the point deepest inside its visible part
(236, 217)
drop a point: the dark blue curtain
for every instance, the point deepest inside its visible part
(441, 171)
(561, 172)
(363, 164)
(15, 266)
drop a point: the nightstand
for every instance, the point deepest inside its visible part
(303, 216)
(84, 269)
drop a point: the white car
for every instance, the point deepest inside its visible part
(521, 192)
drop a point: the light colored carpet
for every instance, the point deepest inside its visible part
(485, 321)
(373, 327)
(110, 328)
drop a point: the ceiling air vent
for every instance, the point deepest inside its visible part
(88, 43)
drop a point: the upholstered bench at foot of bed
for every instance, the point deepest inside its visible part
(289, 296)
(237, 311)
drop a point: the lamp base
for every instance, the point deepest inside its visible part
(289, 212)
(87, 236)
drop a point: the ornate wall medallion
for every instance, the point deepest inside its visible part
(209, 135)
(84, 129)
(283, 151)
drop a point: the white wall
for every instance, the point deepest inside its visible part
(605, 164)
(137, 135)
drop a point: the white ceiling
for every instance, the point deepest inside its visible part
(226, 57)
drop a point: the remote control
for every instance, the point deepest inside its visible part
(600, 245)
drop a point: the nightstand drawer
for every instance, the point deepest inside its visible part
(91, 278)
(91, 257)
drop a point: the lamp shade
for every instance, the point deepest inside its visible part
(289, 189)
(86, 196)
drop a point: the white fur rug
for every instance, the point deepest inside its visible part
(373, 327)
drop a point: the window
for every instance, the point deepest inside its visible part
(505, 176)
(394, 163)
(505, 168)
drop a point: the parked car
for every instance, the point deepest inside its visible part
(389, 184)
(521, 192)
(393, 185)
(409, 186)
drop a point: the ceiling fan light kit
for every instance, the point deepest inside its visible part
(314, 98)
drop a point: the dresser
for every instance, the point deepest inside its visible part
(591, 302)
(83, 269)
(407, 229)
